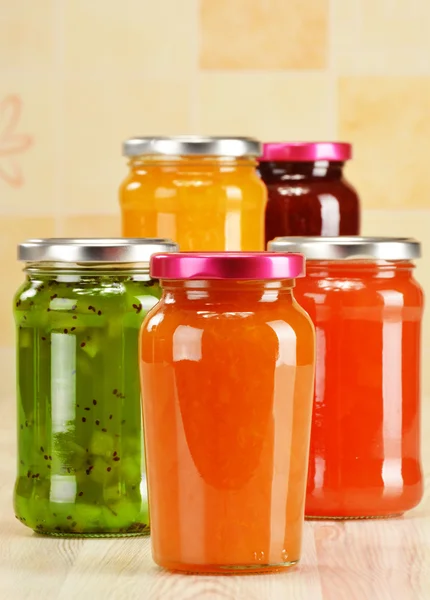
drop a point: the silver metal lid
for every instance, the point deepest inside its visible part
(93, 250)
(192, 145)
(338, 248)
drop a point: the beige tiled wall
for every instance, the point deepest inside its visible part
(79, 76)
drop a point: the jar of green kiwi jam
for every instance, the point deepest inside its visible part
(81, 465)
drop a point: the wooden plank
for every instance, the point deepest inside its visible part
(351, 560)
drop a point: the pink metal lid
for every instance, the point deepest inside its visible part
(306, 151)
(227, 265)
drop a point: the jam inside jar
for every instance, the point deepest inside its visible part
(367, 310)
(307, 192)
(81, 467)
(203, 193)
(227, 374)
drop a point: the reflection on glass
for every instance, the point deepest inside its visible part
(392, 386)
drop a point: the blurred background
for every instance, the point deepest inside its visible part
(79, 76)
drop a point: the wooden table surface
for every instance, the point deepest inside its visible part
(351, 560)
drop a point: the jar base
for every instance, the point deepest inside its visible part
(227, 569)
(92, 535)
(352, 518)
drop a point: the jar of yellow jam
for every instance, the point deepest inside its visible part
(202, 192)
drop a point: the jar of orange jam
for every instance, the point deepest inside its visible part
(367, 309)
(203, 192)
(227, 368)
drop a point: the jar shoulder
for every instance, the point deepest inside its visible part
(51, 303)
(338, 188)
(391, 291)
(251, 327)
(178, 181)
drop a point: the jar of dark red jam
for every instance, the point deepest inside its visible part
(367, 310)
(307, 192)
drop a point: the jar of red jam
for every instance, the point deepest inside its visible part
(307, 192)
(367, 309)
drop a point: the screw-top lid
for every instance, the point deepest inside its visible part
(227, 265)
(348, 247)
(306, 151)
(192, 145)
(93, 250)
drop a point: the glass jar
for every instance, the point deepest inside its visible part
(227, 430)
(367, 309)
(81, 465)
(203, 193)
(307, 192)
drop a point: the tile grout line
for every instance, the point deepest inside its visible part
(194, 100)
(124, 75)
(332, 72)
(58, 177)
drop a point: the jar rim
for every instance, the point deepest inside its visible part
(348, 247)
(93, 250)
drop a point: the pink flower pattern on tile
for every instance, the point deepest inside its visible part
(11, 142)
